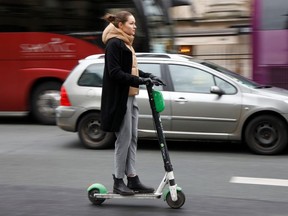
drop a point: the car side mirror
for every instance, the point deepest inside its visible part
(216, 90)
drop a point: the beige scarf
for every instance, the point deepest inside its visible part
(110, 32)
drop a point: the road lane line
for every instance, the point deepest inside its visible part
(259, 181)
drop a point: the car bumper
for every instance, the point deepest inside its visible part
(66, 118)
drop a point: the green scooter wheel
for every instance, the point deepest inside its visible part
(96, 189)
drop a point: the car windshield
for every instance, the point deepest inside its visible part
(237, 77)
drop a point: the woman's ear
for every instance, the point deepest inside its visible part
(120, 25)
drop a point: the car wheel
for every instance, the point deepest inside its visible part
(45, 99)
(266, 135)
(91, 135)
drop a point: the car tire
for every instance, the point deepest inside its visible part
(91, 135)
(44, 101)
(266, 135)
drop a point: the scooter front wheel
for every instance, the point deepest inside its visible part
(91, 196)
(178, 203)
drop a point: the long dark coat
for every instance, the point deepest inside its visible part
(116, 82)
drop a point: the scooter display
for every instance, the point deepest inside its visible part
(173, 194)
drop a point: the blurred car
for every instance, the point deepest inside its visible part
(203, 102)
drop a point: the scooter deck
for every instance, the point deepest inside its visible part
(111, 195)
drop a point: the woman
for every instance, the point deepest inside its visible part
(119, 110)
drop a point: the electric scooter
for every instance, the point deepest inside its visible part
(173, 195)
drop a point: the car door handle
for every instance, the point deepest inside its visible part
(181, 99)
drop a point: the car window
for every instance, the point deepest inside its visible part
(190, 79)
(235, 76)
(92, 76)
(225, 86)
(155, 69)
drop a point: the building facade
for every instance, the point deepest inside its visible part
(215, 30)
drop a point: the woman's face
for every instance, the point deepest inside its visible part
(129, 27)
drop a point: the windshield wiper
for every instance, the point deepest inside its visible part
(263, 86)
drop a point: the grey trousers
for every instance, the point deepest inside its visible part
(126, 142)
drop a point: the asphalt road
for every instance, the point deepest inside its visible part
(45, 171)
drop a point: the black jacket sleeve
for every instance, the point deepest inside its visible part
(119, 59)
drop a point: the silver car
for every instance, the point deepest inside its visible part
(203, 102)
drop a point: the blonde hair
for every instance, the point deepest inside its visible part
(115, 19)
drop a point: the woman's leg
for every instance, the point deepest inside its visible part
(122, 144)
(131, 157)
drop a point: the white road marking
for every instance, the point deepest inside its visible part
(259, 181)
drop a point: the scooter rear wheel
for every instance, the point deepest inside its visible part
(178, 203)
(91, 197)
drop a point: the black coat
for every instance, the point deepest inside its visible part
(116, 82)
